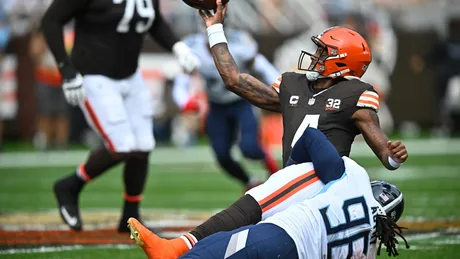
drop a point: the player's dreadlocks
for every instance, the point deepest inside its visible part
(386, 231)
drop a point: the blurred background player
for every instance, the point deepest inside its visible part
(230, 118)
(4, 38)
(102, 77)
(53, 125)
(445, 62)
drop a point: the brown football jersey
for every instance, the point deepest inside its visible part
(329, 110)
(109, 34)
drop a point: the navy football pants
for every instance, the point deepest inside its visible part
(263, 241)
(223, 124)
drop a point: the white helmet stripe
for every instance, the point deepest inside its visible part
(336, 74)
(337, 56)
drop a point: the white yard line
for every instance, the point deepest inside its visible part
(154, 218)
(203, 154)
(159, 212)
(93, 227)
(407, 172)
(51, 249)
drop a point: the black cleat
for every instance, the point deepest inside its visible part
(67, 191)
(71, 216)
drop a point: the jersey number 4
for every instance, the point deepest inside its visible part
(145, 10)
(358, 228)
(310, 120)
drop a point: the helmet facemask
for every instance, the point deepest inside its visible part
(318, 60)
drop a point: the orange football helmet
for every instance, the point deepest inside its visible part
(341, 52)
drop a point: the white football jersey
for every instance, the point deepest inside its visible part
(243, 49)
(336, 223)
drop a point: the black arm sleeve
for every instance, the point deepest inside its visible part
(58, 14)
(245, 211)
(161, 31)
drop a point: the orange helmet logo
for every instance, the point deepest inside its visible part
(341, 52)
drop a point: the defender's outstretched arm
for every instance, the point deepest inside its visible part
(313, 146)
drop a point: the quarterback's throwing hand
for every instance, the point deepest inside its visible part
(73, 90)
(218, 17)
(397, 151)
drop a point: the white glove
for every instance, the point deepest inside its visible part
(73, 90)
(187, 60)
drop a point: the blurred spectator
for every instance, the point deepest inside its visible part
(4, 37)
(23, 16)
(163, 129)
(52, 120)
(382, 41)
(445, 61)
(256, 16)
(288, 16)
(287, 55)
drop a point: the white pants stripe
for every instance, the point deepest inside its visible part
(236, 243)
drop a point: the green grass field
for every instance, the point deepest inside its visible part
(430, 184)
(445, 248)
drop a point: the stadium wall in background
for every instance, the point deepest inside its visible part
(411, 97)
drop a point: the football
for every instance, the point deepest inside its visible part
(204, 4)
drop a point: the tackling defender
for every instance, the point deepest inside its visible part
(102, 77)
(230, 117)
(329, 95)
(343, 218)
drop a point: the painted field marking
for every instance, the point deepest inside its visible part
(436, 244)
(203, 154)
(406, 172)
(51, 249)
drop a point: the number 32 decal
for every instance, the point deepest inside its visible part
(145, 10)
(310, 120)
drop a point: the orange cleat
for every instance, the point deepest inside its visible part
(154, 246)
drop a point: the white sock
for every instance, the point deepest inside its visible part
(189, 239)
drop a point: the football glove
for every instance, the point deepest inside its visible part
(187, 60)
(73, 90)
(72, 84)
